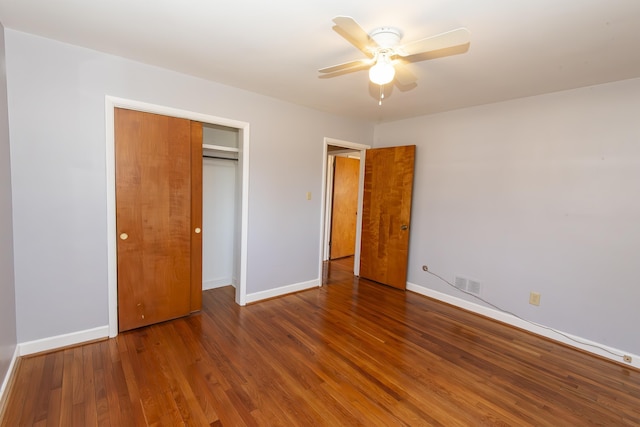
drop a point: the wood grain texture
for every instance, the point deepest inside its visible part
(344, 209)
(386, 214)
(8, 385)
(153, 207)
(350, 353)
(196, 216)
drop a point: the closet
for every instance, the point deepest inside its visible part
(169, 172)
(220, 206)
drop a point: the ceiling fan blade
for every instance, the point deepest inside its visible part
(449, 39)
(347, 65)
(440, 53)
(348, 28)
(404, 77)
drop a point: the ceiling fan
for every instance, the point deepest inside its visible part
(386, 56)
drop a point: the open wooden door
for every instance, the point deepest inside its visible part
(344, 209)
(153, 167)
(386, 214)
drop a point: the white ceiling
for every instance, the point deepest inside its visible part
(518, 47)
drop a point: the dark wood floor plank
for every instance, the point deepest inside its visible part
(176, 364)
(349, 353)
(193, 357)
(109, 370)
(143, 379)
(66, 404)
(102, 403)
(42, 403)
(33, 388)
(53, 411)
(90, 407)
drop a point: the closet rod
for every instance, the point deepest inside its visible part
(221, 158)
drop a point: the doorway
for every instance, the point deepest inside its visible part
(111, 103)
(343, 195)
(384, 211)
(332, 148)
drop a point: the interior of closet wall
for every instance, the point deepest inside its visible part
(220, 201)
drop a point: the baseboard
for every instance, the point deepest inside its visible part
(8, 381)
(272, 293)
(560, 336)
(216, 283)
(65, 340)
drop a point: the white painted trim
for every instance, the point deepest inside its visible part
(356, 260)
(328, 207)
(4, 392)
(112, 258)
(65, 340)
(243, 158)
(528, 326)
(112, 274)
(277, 292)
(323, 200)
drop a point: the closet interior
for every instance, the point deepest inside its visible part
(221, 185)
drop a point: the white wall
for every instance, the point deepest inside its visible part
(537, 194)
(57, 122)
(8, 339)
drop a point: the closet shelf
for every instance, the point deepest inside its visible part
(220, 148)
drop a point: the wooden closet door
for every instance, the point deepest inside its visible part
(153, 217)
(196, 216)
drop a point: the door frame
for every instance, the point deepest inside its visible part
(243, 158)
(326, 200)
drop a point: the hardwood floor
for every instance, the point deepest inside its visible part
(349, 353)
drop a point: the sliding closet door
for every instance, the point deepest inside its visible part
(153, 217)
(196, 216)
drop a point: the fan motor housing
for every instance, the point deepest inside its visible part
(386, 37)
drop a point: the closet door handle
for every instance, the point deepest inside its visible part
(198, 230)
(124, 236)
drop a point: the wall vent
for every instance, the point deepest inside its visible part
(473, 286)
(468, 285)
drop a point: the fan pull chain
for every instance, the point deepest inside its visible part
(381, 94)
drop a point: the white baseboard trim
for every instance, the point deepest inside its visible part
(7, 380)
(271, 293)
(216, 283)
(582, 344)
(65, 340)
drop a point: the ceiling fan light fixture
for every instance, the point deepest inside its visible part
(383, 71)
